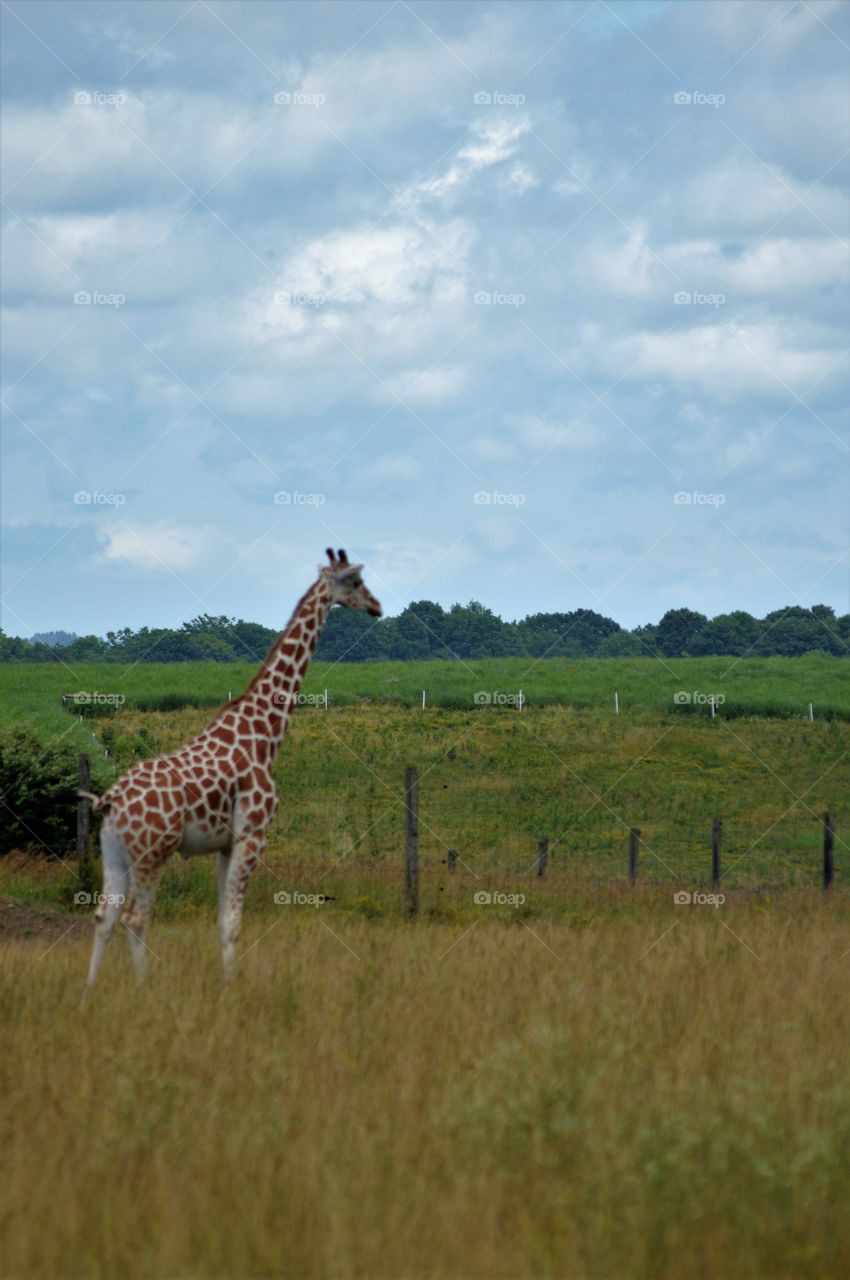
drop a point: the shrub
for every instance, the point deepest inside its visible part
(174, 701)
(38, 793)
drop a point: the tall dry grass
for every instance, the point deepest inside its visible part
(661, 1096)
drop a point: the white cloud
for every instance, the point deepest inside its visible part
(485, 449)
(397, 266)
(537, 434)
(521, 179)
(494, 141)
(627, 268)
(406, 568)
(728, 360)
(740, 195)
(429, 386)
(161, 546)
(783, 266)
(392, 468)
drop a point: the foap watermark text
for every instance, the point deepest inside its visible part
(486, 898)
(694, 498)
(494, 498)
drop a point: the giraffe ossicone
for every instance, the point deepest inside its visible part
(215, 794)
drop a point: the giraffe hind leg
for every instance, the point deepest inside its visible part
(145, 880)
(116, 872)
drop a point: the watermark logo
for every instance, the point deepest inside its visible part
(684, 298)
(294, 498)
(285, 699)
(83, 699)
(283, 898)
(685, 498)
(84, 899)
(493, 298)
(484, 898)
(484, 498)
(86, 98)
(85, 298)
(94, 498)
(696, 699)
(685, 99)
(486, 98)
(297, 299)
(296, 98)
(497, 698)
(682, 898)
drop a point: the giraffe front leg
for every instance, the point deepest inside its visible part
(247, 851)
(223, 869)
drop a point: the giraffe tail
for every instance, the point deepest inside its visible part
(97, 802)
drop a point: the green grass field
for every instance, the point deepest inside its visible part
(762, 686)
(495, 778)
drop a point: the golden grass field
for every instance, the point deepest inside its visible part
(633, 1090)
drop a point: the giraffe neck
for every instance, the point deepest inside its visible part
(270, 697)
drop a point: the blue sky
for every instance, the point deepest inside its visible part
(477, 291)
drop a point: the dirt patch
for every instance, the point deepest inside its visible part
(20, 920)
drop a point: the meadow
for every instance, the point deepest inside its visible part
(577, 1078)
(776, 687)
(494, 778)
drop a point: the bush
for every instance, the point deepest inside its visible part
(174, 701)
(38, 794)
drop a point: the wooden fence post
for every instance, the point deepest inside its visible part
(634, 842)
(542, 855)
(828, 848)
(716, 833)
(451, 861)
(411, 842)
(83, 816)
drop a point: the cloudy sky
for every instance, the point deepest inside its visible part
(478, 291)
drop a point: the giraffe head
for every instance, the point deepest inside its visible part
(347, 585)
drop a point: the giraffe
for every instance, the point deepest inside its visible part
(216, 793)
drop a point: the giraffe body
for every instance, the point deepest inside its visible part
(215, 794)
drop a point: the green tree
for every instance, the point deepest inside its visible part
(252, 641)
(420, 632)
(349, 636)
(676, 630)
(573, 635)
(796, 630)
(621, 644)
(86, 649)
(729, 634)
(474, 631)
(13, 648)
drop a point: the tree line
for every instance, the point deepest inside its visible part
(427, 630)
